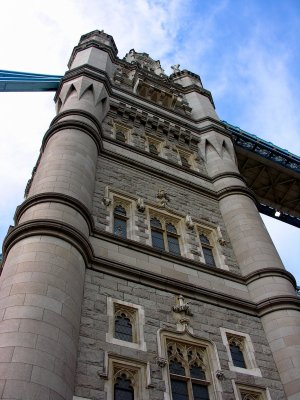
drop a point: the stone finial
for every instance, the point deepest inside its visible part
(140, 204)
(162, 198)
(175, 68)
(189, 222)
(181, 307)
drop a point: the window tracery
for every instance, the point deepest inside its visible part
(164, 235)
(187, 369)
(125, 321)
(124, 382)
(236, 345)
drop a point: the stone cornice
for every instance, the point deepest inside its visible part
(56, 198)
(266, 272)
(233, 190)
(81, 113)
(73, 124)
(228, 175)
(278, 303)
(95, 44)
(49, 227)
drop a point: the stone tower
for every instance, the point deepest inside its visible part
(138, 267)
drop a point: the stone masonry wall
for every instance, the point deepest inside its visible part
(157, 305)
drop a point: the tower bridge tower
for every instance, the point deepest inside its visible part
(139, 267)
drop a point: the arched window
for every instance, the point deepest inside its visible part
(237, 355)
(153, 149)
(120, 136)
(172, 238)
(123, 326)
(207, 250)
(164, 236)
(123, 389)
(120, 222)
(184, 161)
(187, 372)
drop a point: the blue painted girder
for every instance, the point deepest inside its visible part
(12, 81)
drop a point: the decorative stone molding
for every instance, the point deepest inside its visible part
(106, 200)
(220, 375)
(182, 308)
(161, 362)
(162, 198)
(189, 222)
(140, 204)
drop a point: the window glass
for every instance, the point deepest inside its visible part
(237, 356)
(207, 250)
(123, 389)
(123, 328)
(120, 222)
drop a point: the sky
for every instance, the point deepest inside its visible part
(246, 52)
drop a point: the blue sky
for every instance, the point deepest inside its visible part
(246, 52)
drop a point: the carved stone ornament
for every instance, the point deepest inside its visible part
(106, 200)
(161, 362)
(222, 242)
(220, 375)
(162, 198)
(140, 204)
(181, 307)
(175, 68)
(189, 222)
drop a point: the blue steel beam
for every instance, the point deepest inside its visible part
(12, 81)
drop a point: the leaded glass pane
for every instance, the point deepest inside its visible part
(157, 240)
(171, 228)
(123, 328)
(173, 244)
(179, 389)
(204, 239)
(208, 256)
(237, 356)
(120, 136)
(197, 372)
(120, 227)
(200, 392)
(176, 367)
(123, 389)
(153, 149)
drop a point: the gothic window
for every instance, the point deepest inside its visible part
(164, 236)
(120, 222)
(240, 352)
(207, 250)
(120, 136)
(125, 323)
(153, 149)
(187, 370)
(123, 389)
(250, 393)
(236, 345)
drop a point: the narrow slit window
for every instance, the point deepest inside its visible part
(120, 222)
(207, 250)
(157, 234)
(172, 238)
